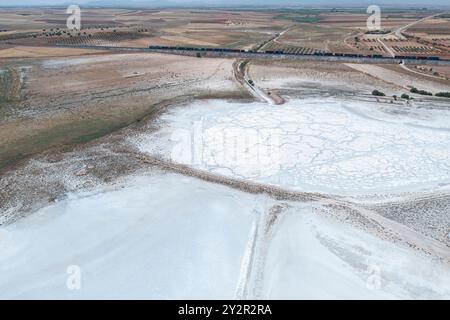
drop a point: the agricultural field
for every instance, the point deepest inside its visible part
(433, 32)
(139, 28)
(345, 32)
(301, 31)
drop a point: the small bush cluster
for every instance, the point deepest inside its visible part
(378, 93)
(422, 92)
(443, 94)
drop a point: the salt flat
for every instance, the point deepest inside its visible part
(158, 237)
(324, 145)
(168, 236)
(311, 257)
(115, 164)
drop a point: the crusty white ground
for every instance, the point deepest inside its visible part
(310, 145)
(169, 236)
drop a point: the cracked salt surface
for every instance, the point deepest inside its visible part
(310, 145)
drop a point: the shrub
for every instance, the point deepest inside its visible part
(404, 96)
(378, 93)
(443, 94)
(422, 92)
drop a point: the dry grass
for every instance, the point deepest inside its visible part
(77, 99)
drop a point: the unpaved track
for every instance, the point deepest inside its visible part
(398, 31)
(241, 75)
(388, 50)
(253, 265)
(402, 65)
(275, 39)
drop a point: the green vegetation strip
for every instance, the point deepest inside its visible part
(422, 92)
(443, 94)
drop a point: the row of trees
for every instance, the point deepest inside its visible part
(413, 90)
(382, 94)
(422, 92)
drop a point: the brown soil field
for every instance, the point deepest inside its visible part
(321, 30)
(38, 52)
(76, 99)
(441, 70)
(430, 27)
(140, 27)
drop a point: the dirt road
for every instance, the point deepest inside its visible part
(240, 70)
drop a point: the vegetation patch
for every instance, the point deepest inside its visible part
(5, 84)
(11, 81)
(422, 92)
(405, 96)
(443, 94)
(378, 93)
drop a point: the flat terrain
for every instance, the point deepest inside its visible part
(290, 179)
(87, 97)
(406, 32)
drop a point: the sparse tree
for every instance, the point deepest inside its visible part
(378, 93)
